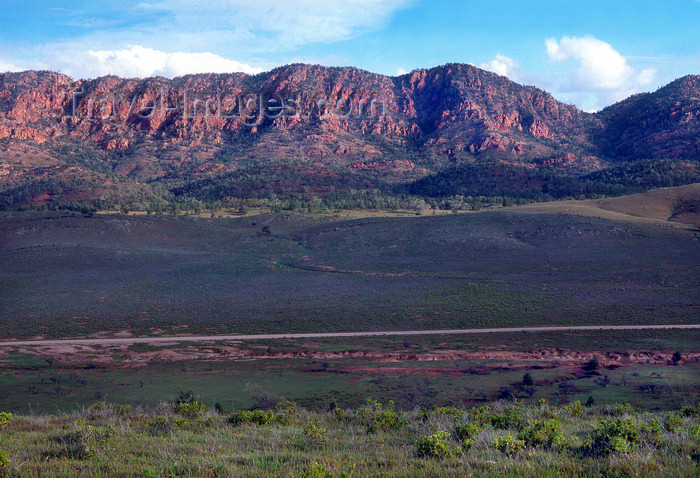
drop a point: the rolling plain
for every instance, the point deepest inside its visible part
(592, 262)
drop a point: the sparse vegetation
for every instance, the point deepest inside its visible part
(550, 441)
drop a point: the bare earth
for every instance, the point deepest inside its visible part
(118, 351)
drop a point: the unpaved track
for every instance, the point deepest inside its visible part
(213, 338)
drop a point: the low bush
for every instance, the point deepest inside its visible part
(82, 441)
(191, 410)
(574, 409)
(188, 406)
(466, 433)
(256, 417)
(5, 417)
(287, 407)
(616, 435)
(673, 421)
(508, 444)
(163, 425)
(435, 446)
(284, 411)
(508, 418)
(124, 410)
(452, 412)
(4, 459)
(320, 471)
(317, 434)
(376, 417)
(540, 433)
(340, 414)
(690, 411)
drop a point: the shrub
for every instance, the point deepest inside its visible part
(284, 412)
(574, 409)
(592, 365)
(481, 415)
(340, 414)
(4, 460)
(466, 430)
(316, 471)
(508, 418)
(192, 409)
(376, 417)
(466, 433)
(187, 405)
(527, 379)
(508, 445)
(673, 421)
(262, 399)
(695, 433)
(5, 417)
(82, 441)
(619, 409)
(385, 420)
(99, 406)
(677, 357)
(435, 446)
(320, 471)
(455, 413)
(287, 407)
(542, 433)
(316, 433)
(186, 396)
(163, 425)
(613, 436)
(124, 410)
(257, 417)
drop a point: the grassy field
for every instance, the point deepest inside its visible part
(575, 263)
(64, 275)
(181, 438)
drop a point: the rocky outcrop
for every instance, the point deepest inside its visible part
(344, 120)
(472, 110)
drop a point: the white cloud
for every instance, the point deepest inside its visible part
(274, 24)
(504, 66)
(401, 71)
(603, 74)
(139, 61)
(9, 67)
(242, 29)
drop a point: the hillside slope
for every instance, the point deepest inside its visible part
(311, 130)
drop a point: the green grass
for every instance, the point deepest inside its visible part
(504, 439)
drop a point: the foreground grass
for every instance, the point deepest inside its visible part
(503, 439)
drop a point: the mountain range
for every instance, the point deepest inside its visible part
(303, 131)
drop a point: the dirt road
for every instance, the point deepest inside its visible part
(213, 338)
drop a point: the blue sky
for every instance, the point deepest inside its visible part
(590, 53)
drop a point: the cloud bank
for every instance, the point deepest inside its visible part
(603, 74)
(176, 37)
(139, 61)
(589, 72)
